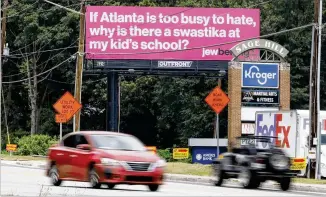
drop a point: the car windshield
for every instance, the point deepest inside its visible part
(118, 142)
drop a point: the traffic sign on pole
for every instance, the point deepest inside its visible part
(66, 106)
(217, 100)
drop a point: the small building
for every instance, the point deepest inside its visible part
(204, 150)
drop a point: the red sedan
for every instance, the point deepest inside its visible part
(101, 157)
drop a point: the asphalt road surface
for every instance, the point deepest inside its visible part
(26, 181)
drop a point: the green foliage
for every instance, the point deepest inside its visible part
(35, 145)
(165, 154)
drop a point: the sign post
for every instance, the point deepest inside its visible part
(217, 100)
(66, 107)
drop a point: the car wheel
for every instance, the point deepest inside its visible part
(285, 183)
(219, 175)
(94, 179)
(111, 185)
(153, 188)
(54, 175)
(247, 178)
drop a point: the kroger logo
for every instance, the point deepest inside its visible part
(260, 75)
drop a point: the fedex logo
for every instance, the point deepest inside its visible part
(273, 127)
(306, 121)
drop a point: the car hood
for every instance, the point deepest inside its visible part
(135, 156)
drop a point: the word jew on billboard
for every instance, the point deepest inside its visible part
(118, 29)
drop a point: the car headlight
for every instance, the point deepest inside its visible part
(160, 163)
(109, 162)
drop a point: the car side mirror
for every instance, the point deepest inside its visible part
(84, 146)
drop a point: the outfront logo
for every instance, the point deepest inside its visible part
(260, 75)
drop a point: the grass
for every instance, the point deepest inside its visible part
(173, 168)
(186, 168)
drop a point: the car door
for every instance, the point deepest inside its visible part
(80, 159)
(63, 159)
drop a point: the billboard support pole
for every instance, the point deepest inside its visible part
(112, 102)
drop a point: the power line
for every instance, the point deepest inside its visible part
(42, 73)
(41, 63)
(213, 45)
(49, 50)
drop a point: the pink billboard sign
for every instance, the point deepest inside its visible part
(164, 33)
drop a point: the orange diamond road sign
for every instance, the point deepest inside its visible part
(217, 100)
(67, 106)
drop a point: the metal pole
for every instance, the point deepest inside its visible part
(318, 90)
(310, 94)
(119, 97)
(60, 131)
(217, 136)
(217, 126)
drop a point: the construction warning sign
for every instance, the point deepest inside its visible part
(298, 164)
(217, 100)
(66, 106)
(180, 153)
(11, 147)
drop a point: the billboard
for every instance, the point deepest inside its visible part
(165, 33)
(260, 75)
(259, 96)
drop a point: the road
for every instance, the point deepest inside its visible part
(27, 181)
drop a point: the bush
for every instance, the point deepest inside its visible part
(35, 144)
(165, 154)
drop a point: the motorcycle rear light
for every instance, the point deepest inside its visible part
(259, 160)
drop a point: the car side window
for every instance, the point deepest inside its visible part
(80, 139)
(69, 141)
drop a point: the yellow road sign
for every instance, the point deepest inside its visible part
(298, 164)
(180, 153)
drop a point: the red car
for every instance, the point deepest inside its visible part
(102, 157)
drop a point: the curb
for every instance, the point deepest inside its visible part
(208, 180)
(267, 185)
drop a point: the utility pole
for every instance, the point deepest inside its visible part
(4, 24)
(79, 66)
(315, 84)
(80, 57)
(1, 52)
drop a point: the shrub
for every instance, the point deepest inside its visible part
(165, 154)
(35, 144)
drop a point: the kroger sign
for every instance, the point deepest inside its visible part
(260, 75)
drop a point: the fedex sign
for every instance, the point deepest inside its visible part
(281, 125)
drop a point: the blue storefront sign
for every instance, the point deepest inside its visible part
(205, 155)
(260, 75)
